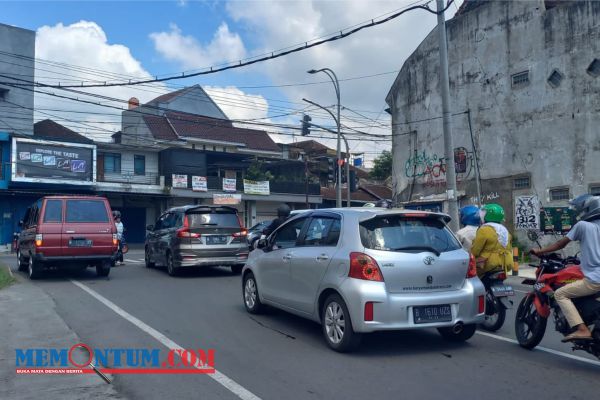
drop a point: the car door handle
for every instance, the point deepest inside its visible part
(323, 257)
(287, 257)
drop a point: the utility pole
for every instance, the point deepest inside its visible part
(447, 126)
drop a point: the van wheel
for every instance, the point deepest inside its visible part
(337, 325)
(171, 269)
(34, 269)
(147, 259)
(21, 262)
(103, 269)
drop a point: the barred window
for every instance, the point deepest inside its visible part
(521, 183)
(559, 194)
(555, 78)
(520, 79)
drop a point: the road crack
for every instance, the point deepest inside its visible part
(273, 329)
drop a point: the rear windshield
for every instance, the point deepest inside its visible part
(413, 235)
(86, 211)
(199, 220)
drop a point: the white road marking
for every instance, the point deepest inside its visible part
(221, 378)
(544, 349)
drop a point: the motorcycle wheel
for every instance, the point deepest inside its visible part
(529, 325)
(495, 319)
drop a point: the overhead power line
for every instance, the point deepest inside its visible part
(255, 60)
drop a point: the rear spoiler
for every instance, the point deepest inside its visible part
(212, 208)
(415, 214)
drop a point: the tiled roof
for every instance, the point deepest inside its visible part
(50, 130)
(176, 125)
(160, 128)
(359, 195)
(168, 96)
(383, 192)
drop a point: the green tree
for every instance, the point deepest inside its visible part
(382, 166)
(256, 171)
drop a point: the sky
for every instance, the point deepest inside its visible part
(113, 40)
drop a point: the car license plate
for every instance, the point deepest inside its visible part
(438, 313)
(80, 243)
(502, 290)
(216, 239)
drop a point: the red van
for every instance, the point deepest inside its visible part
(67, 231)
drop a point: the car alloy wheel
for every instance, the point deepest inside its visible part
(250, 293)
(171, 270)
(335, 322)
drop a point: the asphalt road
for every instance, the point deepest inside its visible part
(280, 356)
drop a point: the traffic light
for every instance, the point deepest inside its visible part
(331, 170)
(306, 125)
(343, 167)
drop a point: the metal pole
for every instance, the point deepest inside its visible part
(477, 176)
(306, 180)
(448, 146)
(349, 202)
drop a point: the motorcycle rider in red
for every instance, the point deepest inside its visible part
(587, 232)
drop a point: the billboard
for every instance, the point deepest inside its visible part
(47, 161)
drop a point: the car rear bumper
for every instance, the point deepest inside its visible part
(394, 311)
(73, 259)
(199, 258)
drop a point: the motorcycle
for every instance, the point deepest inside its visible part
(496, 300)
(532, 315)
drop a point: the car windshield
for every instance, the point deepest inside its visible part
(399, 233)
(86, 211)
(198, 220)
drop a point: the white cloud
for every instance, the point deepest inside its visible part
(239, 105)
(85, 44)
(191, 54)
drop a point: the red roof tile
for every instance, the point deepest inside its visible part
(50, 130)
(160, 128)
(359, 195)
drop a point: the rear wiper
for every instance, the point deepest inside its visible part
(428, 248)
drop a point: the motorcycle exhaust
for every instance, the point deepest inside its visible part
(458, 328)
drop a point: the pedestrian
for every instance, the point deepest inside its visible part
(587, 232)
(492, 244)
(283, 213)
(120, 237)
(470, 219)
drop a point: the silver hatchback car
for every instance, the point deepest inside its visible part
(359, 270)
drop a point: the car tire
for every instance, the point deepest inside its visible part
(103, 269)
(337, 325)
(237, 269)
(250, 294)
(147, 259)
(171, 269)
(22, 264)
(527, 318)
(34, 269)
(463, 335)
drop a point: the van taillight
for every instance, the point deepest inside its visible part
(115, 240)
(363, 266)
(185, 231)
(39, 239)
(472, 271)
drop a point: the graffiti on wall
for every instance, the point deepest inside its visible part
(527, 212)
(429, 169)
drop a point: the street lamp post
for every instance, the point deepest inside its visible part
(336, 85)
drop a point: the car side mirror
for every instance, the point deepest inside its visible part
(262, 244)
(150, 227)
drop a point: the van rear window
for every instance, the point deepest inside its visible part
(199, 220)
(402, 234)
(53, 211)
(86, 211)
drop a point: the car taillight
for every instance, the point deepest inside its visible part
(364, 267)
(185, 231)
(369, 311)
(115, 240)
(240, 234)
(472, 271)
(501, 276)
(39, 239)
(481, 308)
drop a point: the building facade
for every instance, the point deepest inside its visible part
(524, 88)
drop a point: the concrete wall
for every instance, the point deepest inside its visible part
(127, 168)
(16, 105)
(549, 133)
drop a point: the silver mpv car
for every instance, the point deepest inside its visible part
(360, 270)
